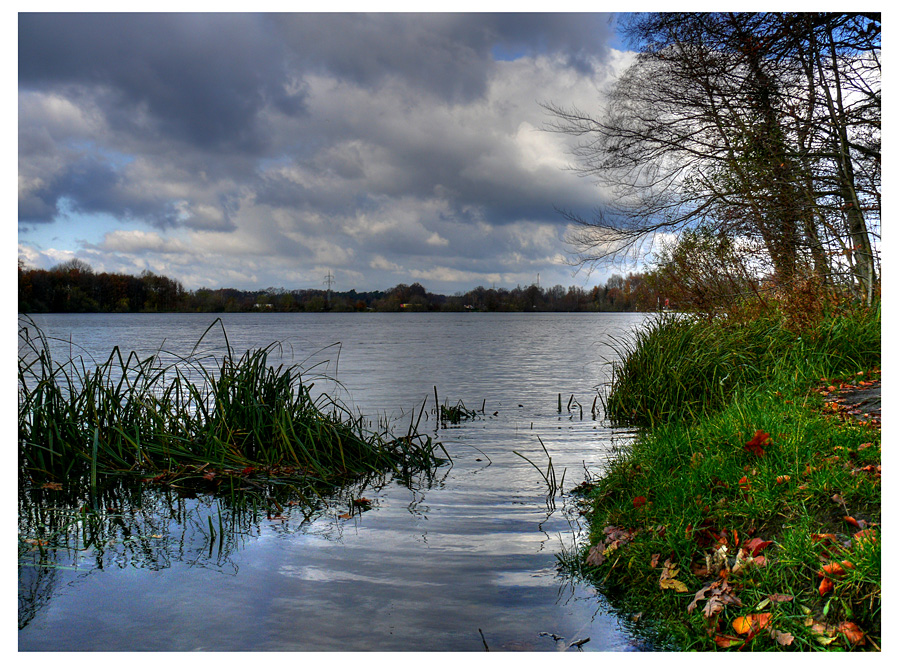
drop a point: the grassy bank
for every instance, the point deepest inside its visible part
(746, 515)
(201, 417)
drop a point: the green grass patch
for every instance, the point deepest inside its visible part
(682, 367)
(742, 491)
(199, 416)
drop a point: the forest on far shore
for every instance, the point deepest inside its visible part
(74, 287)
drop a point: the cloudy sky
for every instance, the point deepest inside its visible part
(258, 150)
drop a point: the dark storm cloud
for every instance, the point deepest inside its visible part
(203, 78)
(447, 55)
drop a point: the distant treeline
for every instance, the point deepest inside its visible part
(73, 287)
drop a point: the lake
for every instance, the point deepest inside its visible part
(465, 559)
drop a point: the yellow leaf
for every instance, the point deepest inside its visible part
(673, 584)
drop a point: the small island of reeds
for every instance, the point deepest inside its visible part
(204, 419)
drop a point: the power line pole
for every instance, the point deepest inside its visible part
(329, 281)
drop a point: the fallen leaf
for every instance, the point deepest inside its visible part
(52, 486)
(615, 537)
(727, 641)
(851, 631)
(826, 586)
(344, 516)
(720, 595)
(853, 522)
(596, 555)
(654, 559)
(780, 597)
(639, 501)
(781, 638)
(836, 569)
(756, 545)
(824, 634)
(667, 579)
(782, 479)
(744, 483)
(751, 623)
(867, 535)
(757, 442)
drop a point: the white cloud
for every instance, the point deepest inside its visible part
(379, 171)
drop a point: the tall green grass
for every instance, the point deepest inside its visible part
(689, 485)
(684, 367)
(133, 414)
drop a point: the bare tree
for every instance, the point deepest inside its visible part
(740, 122)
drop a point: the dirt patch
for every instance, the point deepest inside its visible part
(862, 403)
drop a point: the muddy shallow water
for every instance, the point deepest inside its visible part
(449, 563)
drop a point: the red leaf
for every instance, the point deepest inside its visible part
(852, 521)
(639, 501)
(757, 442)
(826, 586)
(756, 545)
(728, 641)
(247, 470)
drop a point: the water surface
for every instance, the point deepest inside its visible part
(445, 564)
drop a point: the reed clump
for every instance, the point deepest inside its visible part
(128, 414)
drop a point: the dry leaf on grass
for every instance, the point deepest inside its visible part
(667, 579)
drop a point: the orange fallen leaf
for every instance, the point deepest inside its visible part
(744, 483)
(752, 623)
(822, 537)
(851, 631)
(782, 479)
(836, 569)
(869, 534)
(852, 521)
(826, 586)
(53, 486)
